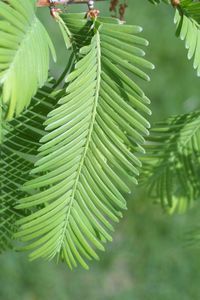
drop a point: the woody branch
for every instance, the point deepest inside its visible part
(41, 3)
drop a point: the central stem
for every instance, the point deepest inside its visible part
(89, 136)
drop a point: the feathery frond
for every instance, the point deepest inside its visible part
(18, 153)
(171, 165)
(24, 54)
(87, 164)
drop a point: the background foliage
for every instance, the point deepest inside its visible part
(147, 259)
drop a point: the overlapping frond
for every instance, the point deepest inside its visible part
(171, 167)
(18, 153)
(75, 36)
(24, 54)
(74, 40)
(188, 29)
(87, 164)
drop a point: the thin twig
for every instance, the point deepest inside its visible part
(41, 3)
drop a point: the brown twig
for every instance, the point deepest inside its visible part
(41, 3)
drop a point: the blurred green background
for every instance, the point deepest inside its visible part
(147, 259)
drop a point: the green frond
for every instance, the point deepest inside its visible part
(188, 30)
(171, 164)
(18, 154)
(24, 55)
(86, 164)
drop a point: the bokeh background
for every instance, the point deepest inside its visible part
(148, 259)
